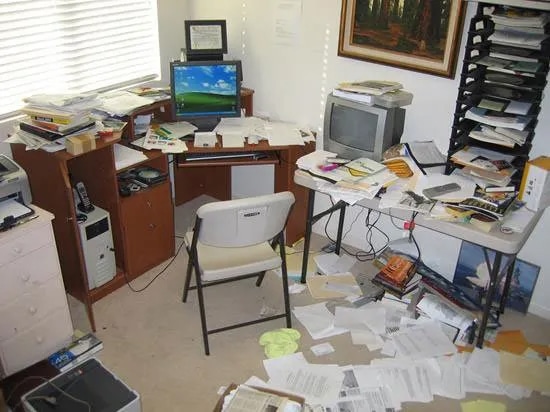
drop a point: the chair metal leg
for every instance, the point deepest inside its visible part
(260, 279)
(285, 280)
(202, 311)
(187, 279)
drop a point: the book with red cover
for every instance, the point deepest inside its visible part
(397, 271)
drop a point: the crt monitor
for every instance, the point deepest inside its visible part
(203, 92)
(354, 130)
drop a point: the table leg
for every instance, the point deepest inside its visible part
(493, 285)
(307, 236)
(507, 283)
(310, 221)
(340, 228)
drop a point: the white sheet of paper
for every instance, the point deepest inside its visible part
(423, 341)
(318, 320)
(284, 134)
(369, 317)
(125, 156)
(331, 263)
(451, 384)
(233, 139)
(467, 186)
(12, 207)
(319, 384)
(314, 159)
(322, 349)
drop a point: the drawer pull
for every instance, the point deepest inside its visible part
(32, 310)
(39, 339)
(149, 203)
(17, 250)
(26, 277)
(152, 225)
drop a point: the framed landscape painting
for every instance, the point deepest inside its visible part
(472, 275)
(421, 35)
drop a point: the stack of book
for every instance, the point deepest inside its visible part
(75, 353)
(486, 167)
(398, 277)
(50, 118)
(367, 177)
(518, 27)
(365, 91)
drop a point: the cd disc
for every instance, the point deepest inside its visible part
(148, 174)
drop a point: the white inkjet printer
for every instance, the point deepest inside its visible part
(15, 194)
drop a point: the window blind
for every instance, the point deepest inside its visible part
(66, 46)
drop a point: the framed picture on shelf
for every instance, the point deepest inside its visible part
(472, 275)
(205, 38)
(423, 37)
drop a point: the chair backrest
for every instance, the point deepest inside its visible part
(244, 222)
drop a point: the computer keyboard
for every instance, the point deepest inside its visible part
(224, 155)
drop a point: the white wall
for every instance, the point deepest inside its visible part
(290, 82)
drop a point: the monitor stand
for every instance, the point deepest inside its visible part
(206, 124)
(192, 57)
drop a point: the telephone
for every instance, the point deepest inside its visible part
(85, 206)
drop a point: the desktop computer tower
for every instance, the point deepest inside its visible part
(97, 247)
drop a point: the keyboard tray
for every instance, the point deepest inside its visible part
(190, 157)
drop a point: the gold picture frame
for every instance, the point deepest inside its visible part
(420, 35)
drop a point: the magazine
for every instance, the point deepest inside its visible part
(492, 204)
(75, 353)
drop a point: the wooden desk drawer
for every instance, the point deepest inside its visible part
(148, 221)
(30, 308)
(24, 275)
(38, 342)
(25, 244)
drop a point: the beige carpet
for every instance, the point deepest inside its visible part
(152, 340)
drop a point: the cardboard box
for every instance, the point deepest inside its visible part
(219, 404)
(79, 144)
(535, 183)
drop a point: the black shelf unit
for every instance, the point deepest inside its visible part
(477, 81)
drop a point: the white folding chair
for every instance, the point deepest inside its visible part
(234, 240)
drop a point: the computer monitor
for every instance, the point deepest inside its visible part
(203, 92)
(354, 130)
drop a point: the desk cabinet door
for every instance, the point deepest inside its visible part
(148, 223)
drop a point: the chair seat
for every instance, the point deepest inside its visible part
(218, 263)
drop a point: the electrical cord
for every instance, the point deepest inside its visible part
(158, 274)
(371, 252)
(51, 400)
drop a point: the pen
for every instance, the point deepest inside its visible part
(329, 167)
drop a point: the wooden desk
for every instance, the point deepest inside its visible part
(503, 244)
(213, 177)
(142, 225)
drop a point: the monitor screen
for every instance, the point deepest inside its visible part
(354, 130)
(202, 92)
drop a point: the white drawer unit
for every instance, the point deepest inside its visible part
(34, 314)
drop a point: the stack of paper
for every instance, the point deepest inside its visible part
(373, 87)
(126, 156)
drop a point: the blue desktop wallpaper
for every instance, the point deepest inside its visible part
(205, 90)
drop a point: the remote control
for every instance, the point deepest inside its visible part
(435, 191)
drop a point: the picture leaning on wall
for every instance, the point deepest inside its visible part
(472, 275)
